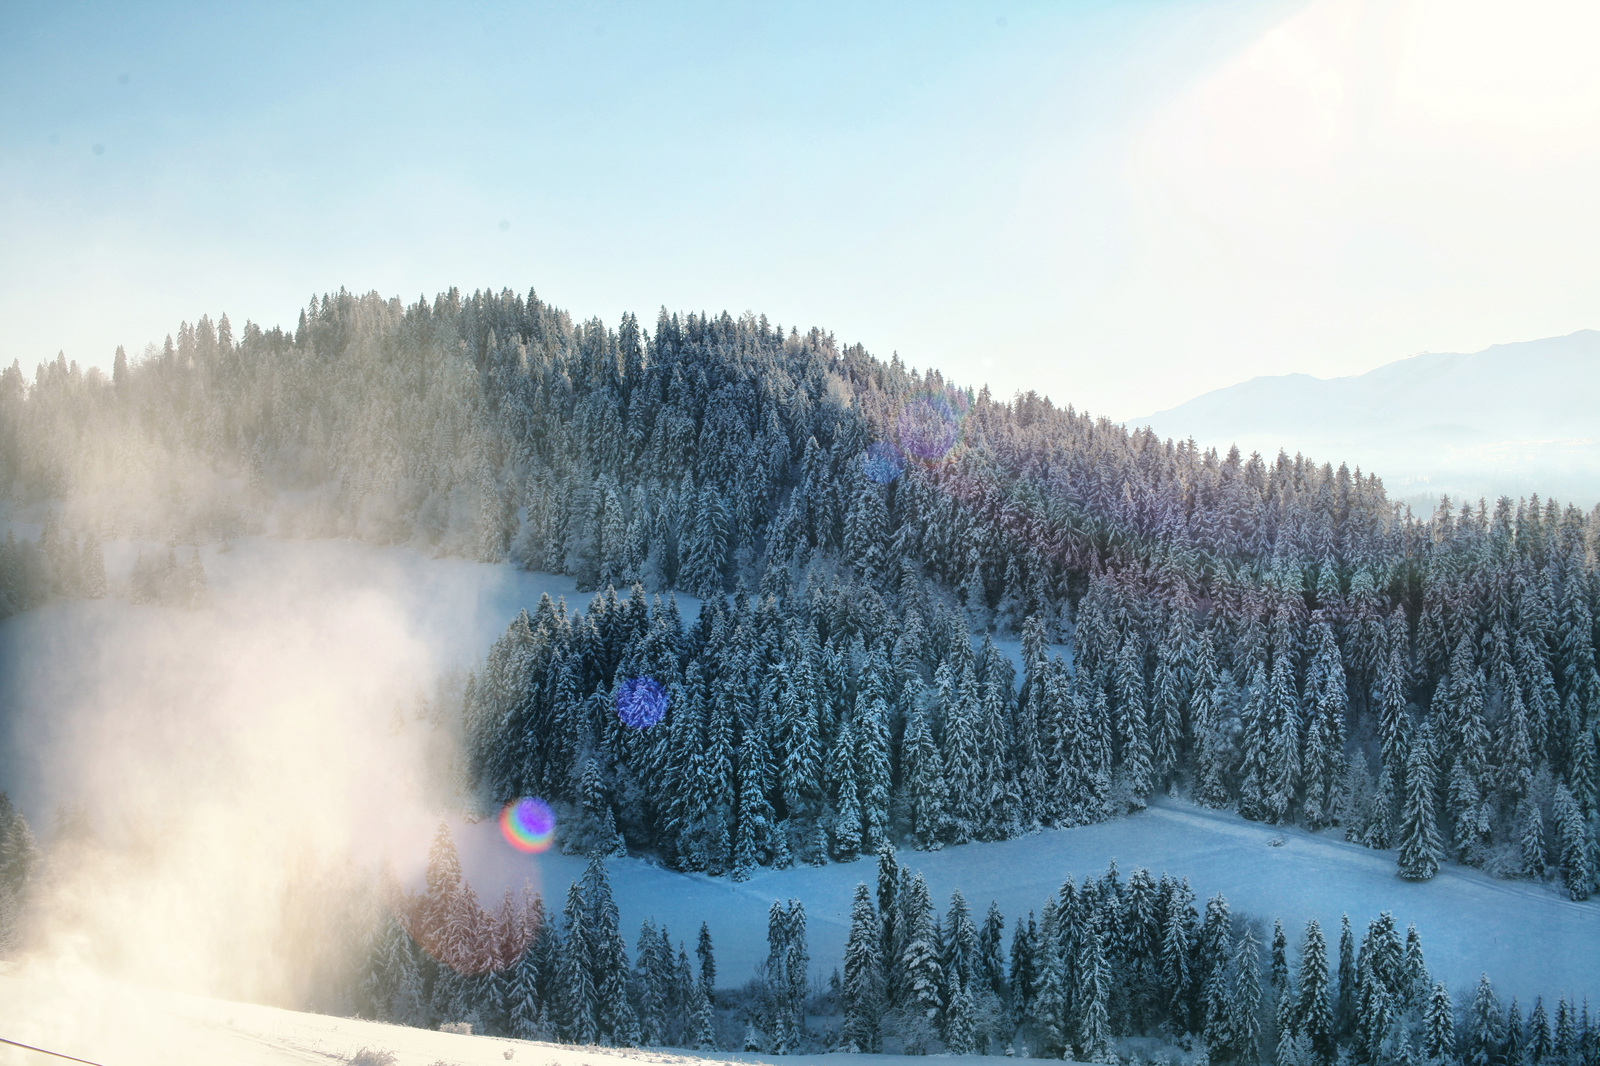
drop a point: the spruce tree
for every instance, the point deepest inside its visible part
(1439, 1026)
(1514, 1036)
(1253, 785)
(1539, 1043)
(1048, 1016)
(1530, 840)
(1283, 769)
(1314, 1013)
(651, 988)
(1244, 1024)
(1093, 997)
(1419, 839)
(580, 999)
(873, 767)
(708, 961)
(923, 770)
(1344, 1011)
(702, 1021)
(862, 989)
(991, 952)
(1138, 770)
(1575, 844)
(919, 969)
(1484, 1040)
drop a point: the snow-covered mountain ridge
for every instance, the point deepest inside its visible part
(1510, 419)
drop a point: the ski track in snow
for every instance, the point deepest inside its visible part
(1527, 937)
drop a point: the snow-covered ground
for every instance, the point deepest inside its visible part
(1529, 939)
(280, 702)
(121, 1025)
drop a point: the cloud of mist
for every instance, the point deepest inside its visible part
(231, 775)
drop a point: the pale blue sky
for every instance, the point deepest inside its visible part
(1002, 190)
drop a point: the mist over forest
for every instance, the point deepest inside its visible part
(826, 609)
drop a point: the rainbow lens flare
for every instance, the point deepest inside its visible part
(882, 462)
(928, 428)
(529, 825)
(641, 702)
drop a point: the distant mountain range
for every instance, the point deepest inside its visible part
(1509, 420)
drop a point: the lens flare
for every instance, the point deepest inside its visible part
(641, 702)
(528, 825)
(882, 462)
(928, 427)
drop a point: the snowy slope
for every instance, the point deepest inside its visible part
(116, 1024)
(1511, 419)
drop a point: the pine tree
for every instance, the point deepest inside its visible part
(1344, 1011)
(1414, 981)
(1175, 978)
(702, 1021)
(1093, 996)
(580, 999)
(1212, 952)
(890, 934)
(961, 1024)
(652, 992)
(1484, 1042)
(1283, 769)
(1314, 1014)
(923, 772)
(1565, 1041)
(1244, 1024)
(1439, 1026)
(1575, 844)
(1530, 840)
(958, 961)
(919, 970)
(1050, 996)
(991, 953)
(1394, 732)
(1419, 839)
(708, 962)
(1256, 716)
(755, 828)
(1022, 978)
(797, 964)
(707, 552)
(1514, 1038)
(863, 977)
(1280, 963)
(1213, 751)
(1138, 770)
(873, 768)
(1539, 1043)
(963, 765)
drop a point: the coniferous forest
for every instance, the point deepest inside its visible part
(927, 616)
(1108, 959)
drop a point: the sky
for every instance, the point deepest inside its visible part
(1119, 205)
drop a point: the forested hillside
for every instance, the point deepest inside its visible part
(1270, 634)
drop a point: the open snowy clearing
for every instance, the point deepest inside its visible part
(121, 1025)
(285, 691)
(1529, 939)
